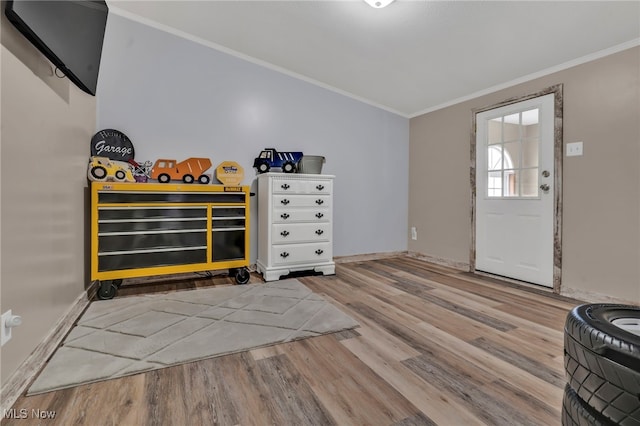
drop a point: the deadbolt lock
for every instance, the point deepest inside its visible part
(546, 173)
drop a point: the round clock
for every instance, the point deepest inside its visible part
(112, 144)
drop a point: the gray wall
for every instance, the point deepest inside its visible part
(176, 98)
(601, 190)
(47, 123)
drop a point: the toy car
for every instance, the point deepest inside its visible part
(102, 169)
(188, 170)
(269, 158)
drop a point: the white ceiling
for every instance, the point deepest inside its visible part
(410, 57)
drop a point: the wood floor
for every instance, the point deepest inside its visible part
(435, 346)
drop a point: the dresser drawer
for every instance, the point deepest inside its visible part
(290, 215)
(287, 254)
(301, 232)
(295, 224)
(294, 186)
(295, 200)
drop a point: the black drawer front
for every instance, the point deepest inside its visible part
(227, 223)
(228, 245)
(169, 197)
(152, 226)
(227, 212)
(148, 260)
(154, 213)
(113, 243)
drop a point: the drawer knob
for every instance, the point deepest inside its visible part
(284, 233)
(320, 187)
(319, 201)
(284, 254)
(285, 216)
(285, 186)
(319, 215)
(319, 252)
(285, 201)
(319, 232)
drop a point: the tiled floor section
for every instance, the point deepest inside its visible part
(119, 337)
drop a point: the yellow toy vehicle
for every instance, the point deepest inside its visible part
(102, 169)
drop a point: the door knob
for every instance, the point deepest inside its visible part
(544, 187)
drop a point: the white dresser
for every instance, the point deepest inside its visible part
(295, 224)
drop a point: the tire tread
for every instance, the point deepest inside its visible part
(608, 387)
(576, 413)
(595, 339)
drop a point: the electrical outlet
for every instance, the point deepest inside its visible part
(414, 233)
(5, 332)
(574, 149)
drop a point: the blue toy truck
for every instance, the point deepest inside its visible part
(269, 157)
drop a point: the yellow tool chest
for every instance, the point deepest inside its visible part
(147, 229)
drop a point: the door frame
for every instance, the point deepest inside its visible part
(556, 90)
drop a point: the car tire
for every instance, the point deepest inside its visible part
(575, 412)
(602, 360)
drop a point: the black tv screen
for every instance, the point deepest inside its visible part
(69, 33)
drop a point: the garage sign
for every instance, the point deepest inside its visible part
(112, 144)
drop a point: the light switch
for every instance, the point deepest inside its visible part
(574, 149)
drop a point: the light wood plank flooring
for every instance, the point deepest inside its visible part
(435, 346)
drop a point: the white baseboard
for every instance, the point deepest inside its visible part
(368, 256)
(573, 293)
(462, 266)
(20, 380)
(593, 297)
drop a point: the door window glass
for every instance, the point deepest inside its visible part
(513, 150)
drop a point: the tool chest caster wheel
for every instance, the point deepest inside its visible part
(242, 275)
(107, 290)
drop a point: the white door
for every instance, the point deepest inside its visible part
(515, 190)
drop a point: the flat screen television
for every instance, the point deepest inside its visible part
(69, 33)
